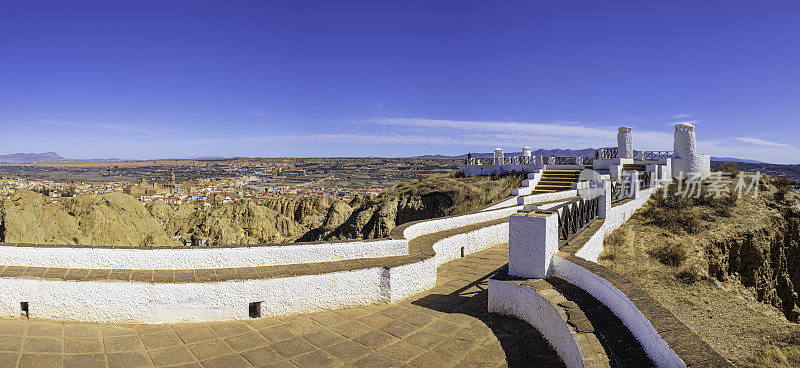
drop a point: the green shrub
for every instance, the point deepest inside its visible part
(669, 253)
(730, 168)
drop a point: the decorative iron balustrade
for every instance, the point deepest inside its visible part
(587, 161)
(645, 178)
(655, 155)
(620, 189)
(606, 153)
(564, 160)
(574, 216)
(511, 160)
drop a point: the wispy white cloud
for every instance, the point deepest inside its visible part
(680, 116)
(762, 142)
(263, 115)
(510, 135)
(693, 122)
(106, 126)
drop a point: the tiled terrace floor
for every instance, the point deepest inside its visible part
(448, 326)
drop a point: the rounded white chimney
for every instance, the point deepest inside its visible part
(498, 156)
(625, 142)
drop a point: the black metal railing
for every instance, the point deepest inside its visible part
(574, 216)
(645, 179)
(587, 161)
(564, 160)
(606, 153)
(620, 190)
(511, 160)
(654, 155)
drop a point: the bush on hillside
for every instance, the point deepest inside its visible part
(730, 168)
(672, 254)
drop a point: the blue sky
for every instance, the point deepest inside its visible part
(155, 79)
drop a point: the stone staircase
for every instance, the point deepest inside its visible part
(556, 181)
(636, 167)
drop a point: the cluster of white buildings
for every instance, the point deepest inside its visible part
(684, 159)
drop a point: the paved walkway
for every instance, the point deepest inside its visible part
(448, 326)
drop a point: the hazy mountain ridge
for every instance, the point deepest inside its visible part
(21, 158)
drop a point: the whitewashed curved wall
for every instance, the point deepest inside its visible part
(196, 258)
(450, 248)
(525, 303)
(141, 302)
(433, 226)
(656, 348)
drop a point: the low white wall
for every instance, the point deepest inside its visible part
(526, 304)
(140, 302)
(478, 170)
(656, 348)
(196, 258)
(433, 226)
(408, 280)
(528, 184)
(545, 197)
(449, 249)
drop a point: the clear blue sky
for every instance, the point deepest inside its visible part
(148, 79)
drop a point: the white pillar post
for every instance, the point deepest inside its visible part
(625, 142)
(633, 176)
(498, 156)
(532, 241)
(605, 200)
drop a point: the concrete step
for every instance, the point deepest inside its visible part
(634, 167)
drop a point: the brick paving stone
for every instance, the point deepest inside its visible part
(9, 359)
(351, 329)
(40, 360)
(417, 318)
(225, 329)
(292, 347)
(316, 358)
(246, 341)
(375, 360)
(227, 361)
(42, 328)
(210, 349)
(375, 320)
(425, 339)
(375, 339)
(303, 326)
(170, 356)
(262, 356)
(261, 323)
(83, 345)
(42, 345)
(161, 339)
(10, 343)
(347, 350)
(129, 360)
(116, 344)
(192, 334)
(399, 329)
(81, 331)
(402, 351)
(323, 338)
(85, 361)
(276, 333)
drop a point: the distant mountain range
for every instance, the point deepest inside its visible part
(27, 158)
(30, 158)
